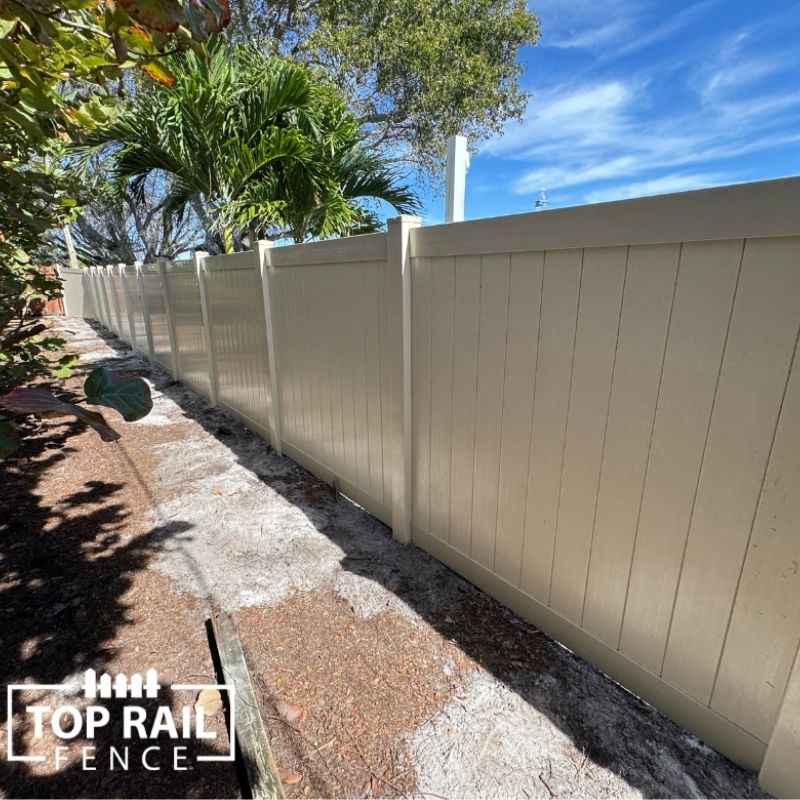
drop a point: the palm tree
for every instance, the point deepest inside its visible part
(256, 146)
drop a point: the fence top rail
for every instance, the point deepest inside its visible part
(244, 260)
(749, 210)
(367, 247)
(181, 263)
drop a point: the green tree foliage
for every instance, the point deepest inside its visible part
(257, 144)
(59, 61)
(114, 225)
(414, 71)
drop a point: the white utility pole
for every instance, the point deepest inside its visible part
(456, 178)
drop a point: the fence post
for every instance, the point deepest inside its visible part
(126, 297)
(106, 310)
(213, 382)
(62, 281)
(780, 771)
(265, 268)
(399, 258)
(173, 339)
(115, 300)
(88, 282)
(98, 311)
(148, 331)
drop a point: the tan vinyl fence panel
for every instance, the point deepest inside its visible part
(607, 438)
(77, 293)
(184, 298)
(592, 413)
(137, 317)
(157, 313)
(330, 329)
(105, 297)
(120, 325)
(238, 333)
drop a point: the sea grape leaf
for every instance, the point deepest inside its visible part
(128, 394)
(38, 400)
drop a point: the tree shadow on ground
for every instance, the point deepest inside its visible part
(611, 727)
(68, 558)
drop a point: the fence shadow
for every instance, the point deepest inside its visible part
(612, 727)
(68, 560)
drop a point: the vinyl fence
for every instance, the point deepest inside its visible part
(592, 413)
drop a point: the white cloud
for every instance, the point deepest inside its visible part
(667, 28)
(590, 38)
(577, 23)
(585, 116)
(623, 125)
(663, 185)
(573, 136)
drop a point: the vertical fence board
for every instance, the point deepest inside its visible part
(285, 313)
(751, 388)
(356, 329)
(649, 287)
(386, 383)
(465, 382)
(304, 375)
(371, 335)
(765, 625)
(701, 310)
(337, 411)
(780, 773)
(443, 279)
(525, 298)
(492, 331)
(421, 391)
(344, 359)
(319, 319)
(562, 277)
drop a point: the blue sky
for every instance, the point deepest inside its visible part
(637, 97)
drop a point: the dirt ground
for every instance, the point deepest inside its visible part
(380, 673)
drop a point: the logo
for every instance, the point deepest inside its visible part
(147, 724)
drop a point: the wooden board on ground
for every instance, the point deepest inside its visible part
(253, 751)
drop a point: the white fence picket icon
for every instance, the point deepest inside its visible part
(121, 686)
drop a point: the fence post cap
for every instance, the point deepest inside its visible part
(408, 219)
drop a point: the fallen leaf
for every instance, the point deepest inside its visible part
(289, 776)
(449, 620)
(291, 712)
(209, 701)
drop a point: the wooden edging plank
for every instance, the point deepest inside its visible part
(253, 750)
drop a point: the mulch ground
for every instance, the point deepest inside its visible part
(338, 693)
(76, 592)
